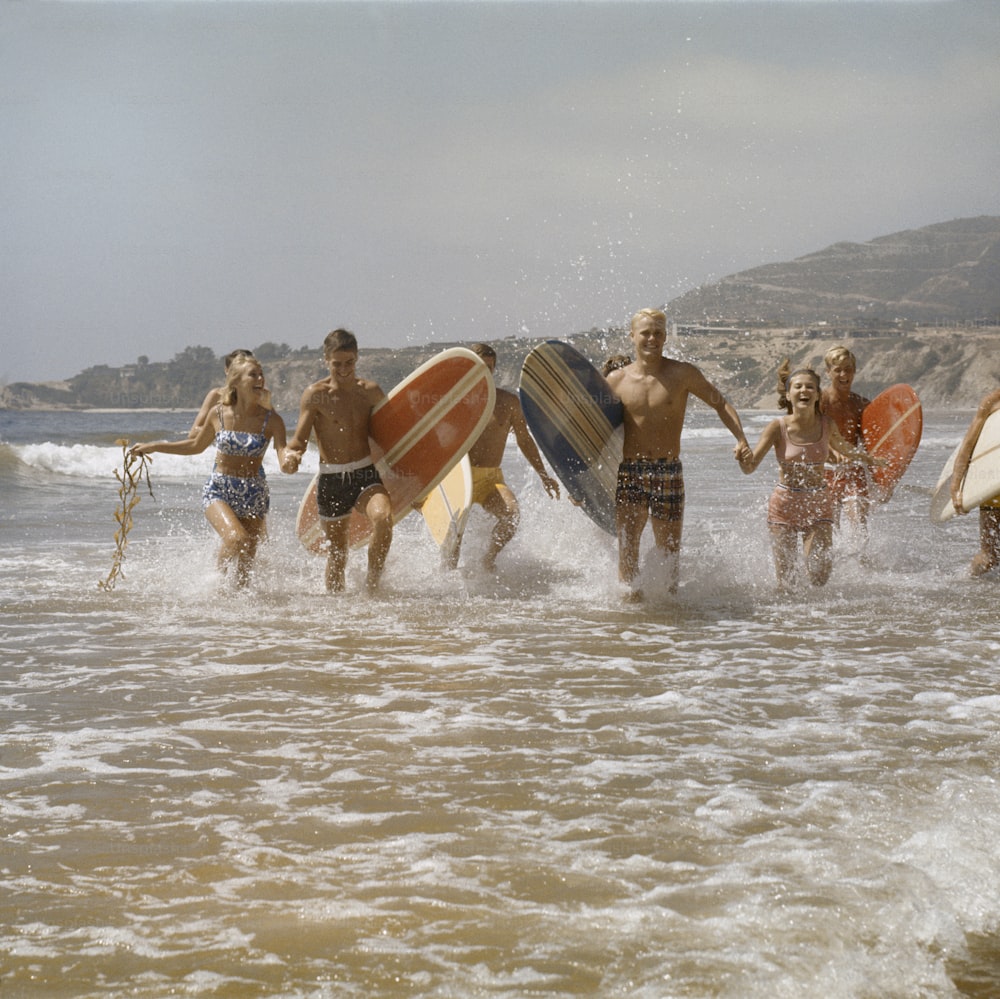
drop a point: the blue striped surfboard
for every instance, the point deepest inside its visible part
(576, 420)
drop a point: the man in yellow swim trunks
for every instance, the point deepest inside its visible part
(488, 487)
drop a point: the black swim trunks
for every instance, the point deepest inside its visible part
(339, 491)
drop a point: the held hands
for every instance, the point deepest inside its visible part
(743, 453)
(290, 460)
(551, 486)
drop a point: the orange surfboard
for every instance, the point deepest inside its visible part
(419, 432)
(891, 425)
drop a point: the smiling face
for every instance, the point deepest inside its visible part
(803, 391)
(648, 336)
(342, 364)
(841, 376)
(245, 379)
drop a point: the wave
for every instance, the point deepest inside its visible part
(90, 461)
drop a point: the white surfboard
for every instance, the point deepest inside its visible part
(982, 481)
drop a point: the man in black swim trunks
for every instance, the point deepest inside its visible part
(654, 390)
(338, 410)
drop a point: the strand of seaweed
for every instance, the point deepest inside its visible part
(135, 468)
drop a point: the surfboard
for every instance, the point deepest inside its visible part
(576, 420)
(982, 481)
(418, 433)
(446, 509)
(891, 427)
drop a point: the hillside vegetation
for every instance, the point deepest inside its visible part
(919, 307)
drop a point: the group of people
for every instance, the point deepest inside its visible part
(336, 411)
(817, 443)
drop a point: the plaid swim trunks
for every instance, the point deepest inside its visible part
(657, 484)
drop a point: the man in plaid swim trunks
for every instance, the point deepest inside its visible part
(654, 391)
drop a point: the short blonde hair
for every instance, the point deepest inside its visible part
(658, 317)
(837, 355)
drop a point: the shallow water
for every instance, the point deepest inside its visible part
(488, 786)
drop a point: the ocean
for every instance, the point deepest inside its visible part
(488, 786)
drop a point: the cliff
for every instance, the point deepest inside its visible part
(920, 306)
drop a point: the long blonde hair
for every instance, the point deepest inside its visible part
(237, 368)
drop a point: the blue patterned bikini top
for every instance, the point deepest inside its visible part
(241, 443)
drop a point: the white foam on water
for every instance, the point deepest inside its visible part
(500, 782)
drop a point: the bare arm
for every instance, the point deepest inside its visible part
(210, 402)
(296, 447)
(750, 459)
(530, 451)
(287, 462)
(188, 446)
(701, 387)
(852, 451)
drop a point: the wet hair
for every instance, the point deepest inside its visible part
(837, 355)
(339, 339)
(785, 375)
(484, 350)
(239, 352)
(658, 316)
(237, 368)
(614, 362)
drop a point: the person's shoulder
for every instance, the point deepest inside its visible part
(682, 371)
(311, 390)
(991, 401)
(617, 376)
(371, 389)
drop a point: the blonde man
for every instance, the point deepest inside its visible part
(848, 480)
(654, 391)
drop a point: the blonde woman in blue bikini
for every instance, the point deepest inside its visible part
(236, 497)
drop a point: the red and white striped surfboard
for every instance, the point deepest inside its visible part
(419, 432)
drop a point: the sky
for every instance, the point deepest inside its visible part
(226, 174)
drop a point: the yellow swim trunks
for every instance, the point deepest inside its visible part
(485, 482)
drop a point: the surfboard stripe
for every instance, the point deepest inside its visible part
(595, 423)
(469, 382)
(895, 426)
(585, 430)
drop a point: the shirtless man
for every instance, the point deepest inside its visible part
(988, 556)
(338, 410)
(848, 480)
(488, 486)
(654, 390)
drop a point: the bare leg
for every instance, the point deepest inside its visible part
(667, 534)
(376, 506)
(631, 519)
(239, 539)
(785, 549)
(336, 561)
(502, 505)
(988, 555)
(256, 529)
(818, 548)
(856, 507)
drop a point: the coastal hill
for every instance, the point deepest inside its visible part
(921, 307)
(939, 274)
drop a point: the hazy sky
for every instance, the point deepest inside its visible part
(224, 174)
